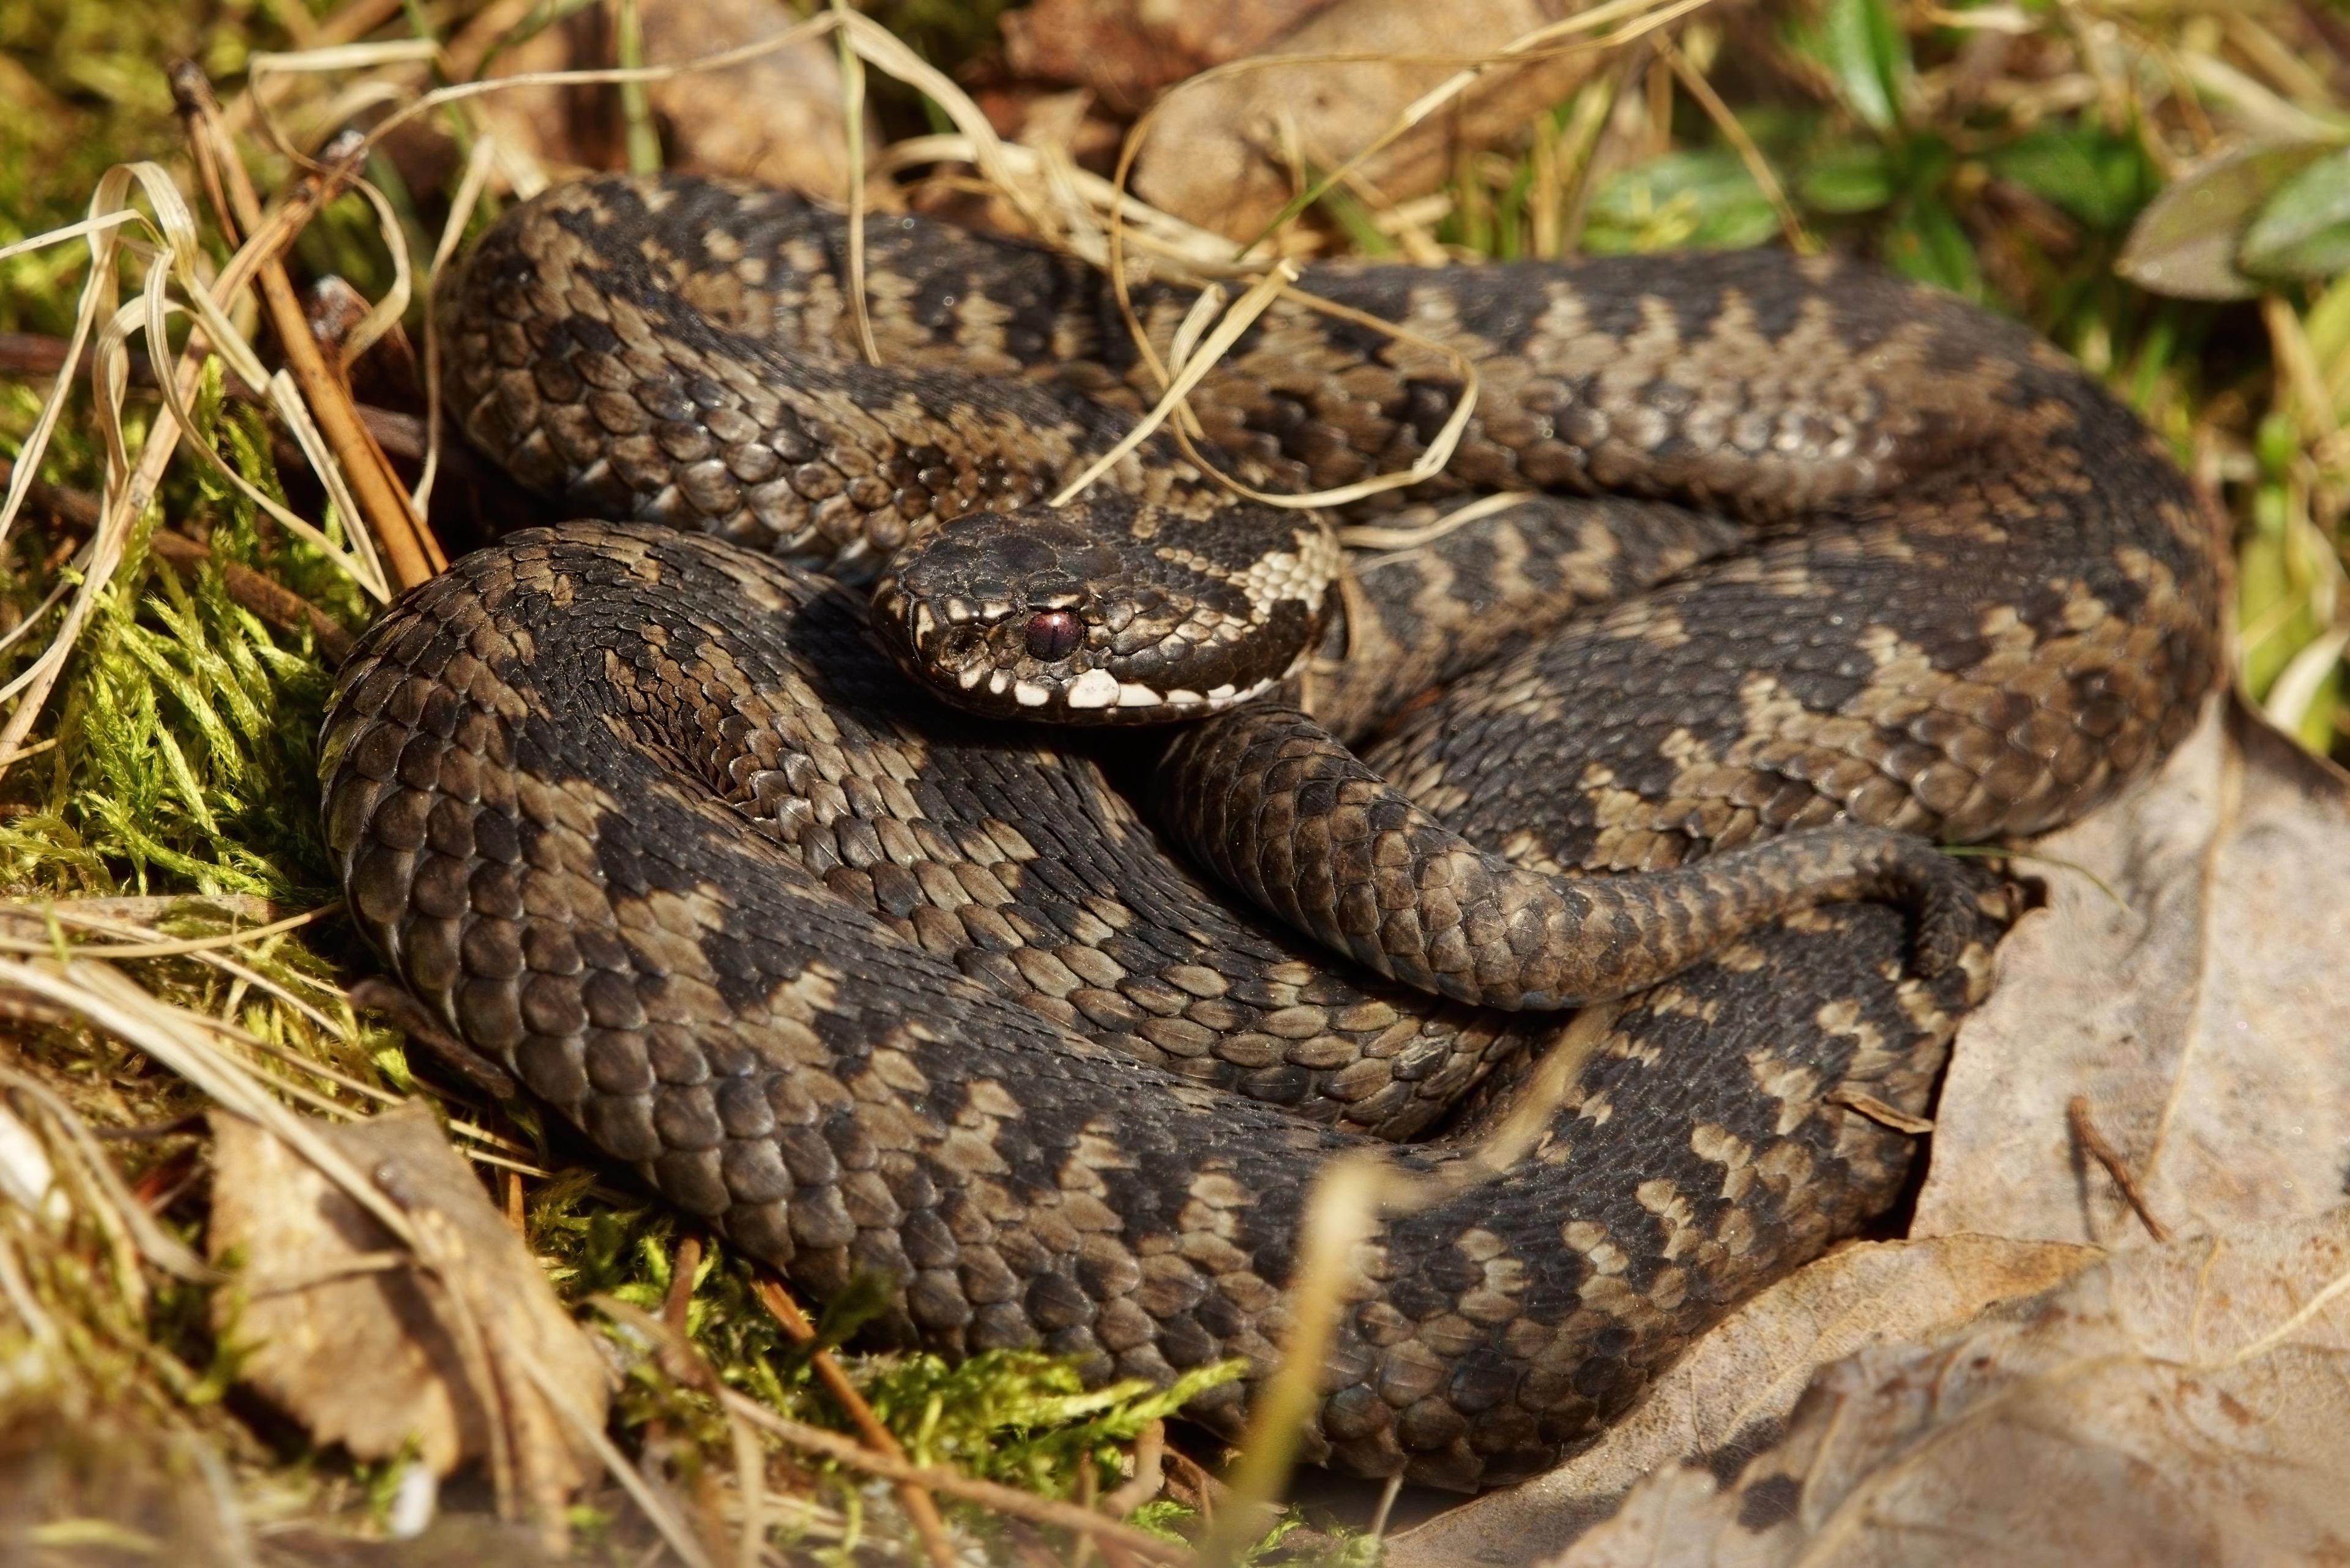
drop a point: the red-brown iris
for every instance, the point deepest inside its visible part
(1053, 633)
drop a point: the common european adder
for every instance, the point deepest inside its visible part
(647, 811)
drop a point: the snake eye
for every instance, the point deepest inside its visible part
(1052, 635)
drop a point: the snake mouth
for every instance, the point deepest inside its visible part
(1029, 618)
(1063, 658)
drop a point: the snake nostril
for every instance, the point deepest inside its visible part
(1052, 635)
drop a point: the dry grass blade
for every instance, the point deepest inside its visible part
(128, 490)
(265, 65)
(883, 50)
(852, 120)
(174, 256)
(1425, 466)
(1198, 252)
(118, 1209)
(220, 335)
(1402, 542)
(591, 1431)
(184, 1043)
(2303, 679)
(100, 231)
(386, 512)
(163, 948)
(97, 915)
(462, 207)
(1237, 320)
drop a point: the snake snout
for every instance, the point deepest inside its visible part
(1090, 620)
(991, 617)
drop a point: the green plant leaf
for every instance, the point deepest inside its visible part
(2302, 231)
(2097, 177)
(1696, 199)
(1927, 244)
(1867, 56)
(1856, 178)
(2186, 243)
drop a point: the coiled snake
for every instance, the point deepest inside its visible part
(882, 986)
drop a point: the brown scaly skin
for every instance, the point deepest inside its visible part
(633, 810)
(1269, 802)
(2015, 593)
(574, 361)
(897, 1032)
(1770, 389)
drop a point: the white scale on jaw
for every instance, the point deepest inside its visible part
(1095, 689)
(1100, 688)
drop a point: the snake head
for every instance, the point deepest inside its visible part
(1115, 613)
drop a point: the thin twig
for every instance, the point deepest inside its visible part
(1879, 1112)
(29, 354)
(265, 597)
(25, 355)
(1799, 239)
(384, 502)
(987, 1494)
(687, 1263)
(78, 507)
(677, 1312)
(2093, 1142)
(918, 1504)
(2076, 1110)
(1149, 1478)
(271, 600)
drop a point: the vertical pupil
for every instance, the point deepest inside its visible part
(1052, 635)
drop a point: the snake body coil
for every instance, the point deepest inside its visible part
(880, 987)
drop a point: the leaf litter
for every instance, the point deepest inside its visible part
(2184, 979)
(209, 713)
(373, 1347)
(2031, 1376)
(2178, 1403)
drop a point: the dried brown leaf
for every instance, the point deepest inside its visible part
(2176, 1404)
(775, 118)
(2202, 1016)
(363, 1348)
(1126, 52)
(2186, 243)
(1729, 1398)
(1221, 152)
